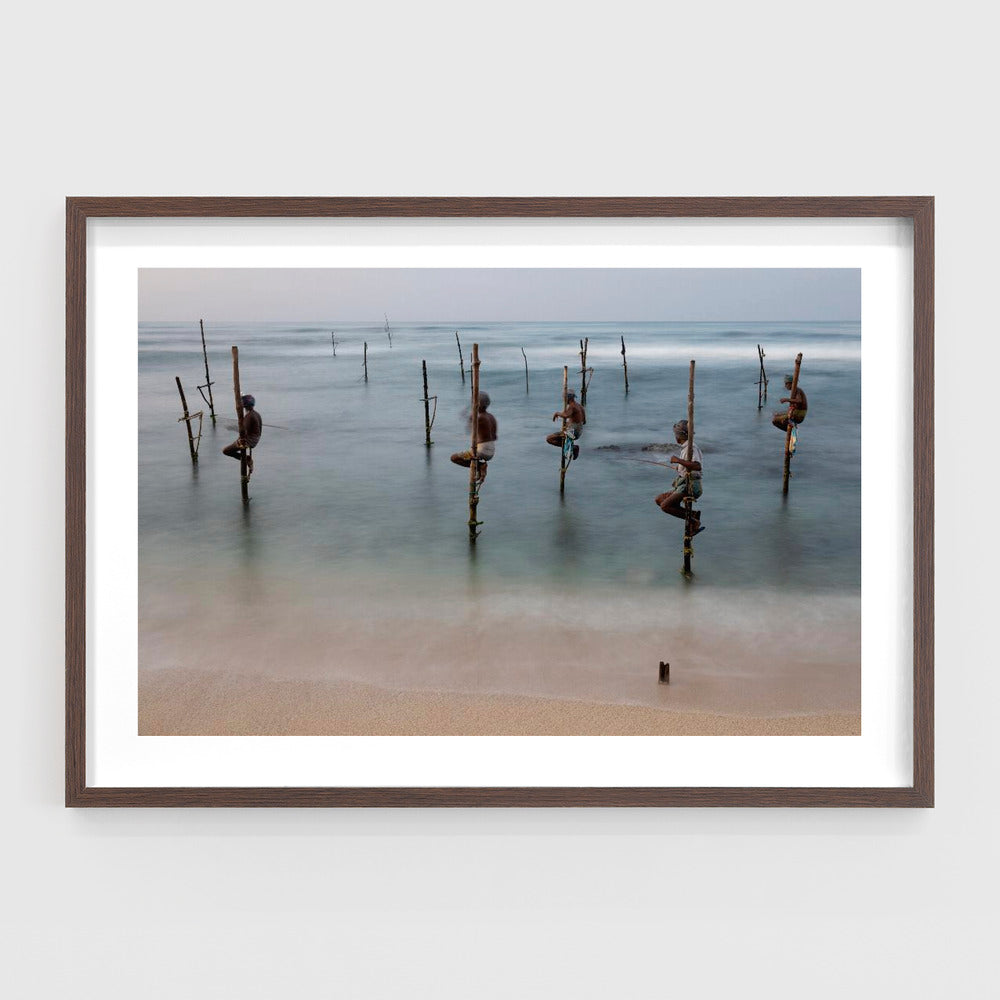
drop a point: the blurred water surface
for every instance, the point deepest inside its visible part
(345, 487)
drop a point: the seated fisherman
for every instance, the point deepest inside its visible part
(252, 426)
(687, 480)
(486, 440)
(576, 417)
(800, 406)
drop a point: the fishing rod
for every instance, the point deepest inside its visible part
(232, 427)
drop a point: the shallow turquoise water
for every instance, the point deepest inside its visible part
(344, 484)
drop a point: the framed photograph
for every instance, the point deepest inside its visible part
(499, 501)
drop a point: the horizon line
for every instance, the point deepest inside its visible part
(459, 325)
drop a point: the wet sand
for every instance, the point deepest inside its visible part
(344, 659)
(185, 703)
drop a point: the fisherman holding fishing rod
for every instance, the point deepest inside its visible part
(687, 481)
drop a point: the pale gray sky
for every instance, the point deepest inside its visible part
(499, 294)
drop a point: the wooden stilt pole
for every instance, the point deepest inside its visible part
(583, 370)
(461, 360)
(208, 378)
(762, 381)
(474, 522)
(562, 446)
(427, 408)
(333, 342)
(365, 362)
(388, 332)
(688, 499)
(788, 428)
(525, 356)
(187, 421)
(625, 364)
(244, 482)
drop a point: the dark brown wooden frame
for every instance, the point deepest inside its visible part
(920, 210)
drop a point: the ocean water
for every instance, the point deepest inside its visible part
(345, 487)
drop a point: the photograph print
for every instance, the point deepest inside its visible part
(499, 501)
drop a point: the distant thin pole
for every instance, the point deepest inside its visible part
(187, 418)
(625, 364)
(789, 425)
(427, 408)
(365, 361)
(244, 479)
(387, 330)
(562, 448)
(762, 381)
(525, 356)
(461, 360)
(583, 370)
(333, 342)
(208, 378)
(474, 522)
(688, 499)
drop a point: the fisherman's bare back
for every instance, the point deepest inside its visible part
(486, 429)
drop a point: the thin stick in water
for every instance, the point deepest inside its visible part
(789, 426)
(688, 498)
(208, 378)
(474, 522)
(762, 380)
(525, 356)
(427, 408)
(365, 362)
(461, 360)
(244, 479)
(625, 364)
(187, 418)
(562, 449)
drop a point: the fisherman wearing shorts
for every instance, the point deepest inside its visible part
(798, 398)
(486, 443)
(575, 417)
(687, 481)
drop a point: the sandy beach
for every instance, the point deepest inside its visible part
(502, 662)
(185, 703)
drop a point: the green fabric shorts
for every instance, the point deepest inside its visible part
(681, 484)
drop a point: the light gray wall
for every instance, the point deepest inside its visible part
(517, 99)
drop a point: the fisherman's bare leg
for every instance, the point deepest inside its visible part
(461, 458)
(692, 521)
(780, 420)
(671, 504)
(556, 439)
